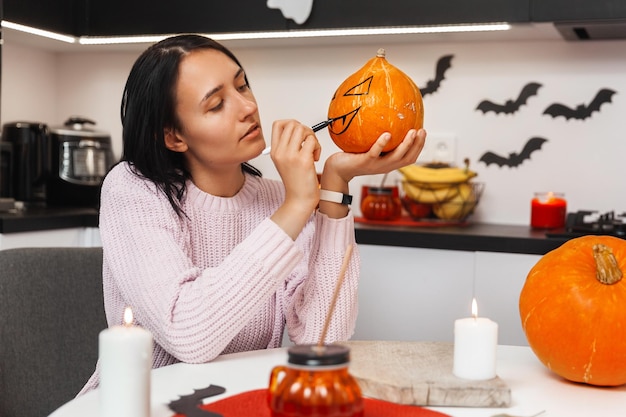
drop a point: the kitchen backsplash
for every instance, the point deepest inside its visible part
(529, 115)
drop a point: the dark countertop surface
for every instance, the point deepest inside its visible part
(47, 218)
(469, 237)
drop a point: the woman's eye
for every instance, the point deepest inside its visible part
(243, 87)
(218, 106)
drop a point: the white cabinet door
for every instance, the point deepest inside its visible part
(500, 278)
(81, 237)
(416, 294)
(412, 294)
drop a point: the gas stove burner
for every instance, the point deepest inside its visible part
(594, 222)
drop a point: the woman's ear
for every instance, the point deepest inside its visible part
(173, 142)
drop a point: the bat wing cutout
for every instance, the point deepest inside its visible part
(582, 111)
(443, 64)
(514, 159)
(188, 404)
(510, 106)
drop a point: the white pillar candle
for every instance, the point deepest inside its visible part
(125, 354)
(475, 344)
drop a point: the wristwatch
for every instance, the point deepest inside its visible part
(336, 197)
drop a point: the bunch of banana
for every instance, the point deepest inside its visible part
(423, 193)
(460, 206)
(436, 176)
(432, 184)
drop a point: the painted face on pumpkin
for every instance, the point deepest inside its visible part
(341, 122)
(376, 99)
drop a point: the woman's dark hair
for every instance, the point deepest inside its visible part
(149, 106)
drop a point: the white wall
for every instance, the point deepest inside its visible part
(29, 84)
(581, 158)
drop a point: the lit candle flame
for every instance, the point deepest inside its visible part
(474, 308)
(128, 316)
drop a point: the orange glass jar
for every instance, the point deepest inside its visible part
(315, 383)
(381, 203)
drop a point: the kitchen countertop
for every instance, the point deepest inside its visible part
(467, 237)
(47, 218)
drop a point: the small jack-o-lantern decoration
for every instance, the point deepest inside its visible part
(377, 98)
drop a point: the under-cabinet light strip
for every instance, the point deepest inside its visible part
(39, 32)
(103, 40)
(311, 33)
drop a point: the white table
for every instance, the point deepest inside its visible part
(533, 387)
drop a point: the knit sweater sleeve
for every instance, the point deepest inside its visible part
(309, 292)
(193, 312)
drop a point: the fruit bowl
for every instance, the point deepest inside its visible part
(444, 201)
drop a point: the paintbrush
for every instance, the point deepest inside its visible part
(333, 301)
(316, 128)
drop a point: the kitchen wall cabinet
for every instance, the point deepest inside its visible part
(576, 10)
(364, 13)
(118, 17)
(583, 19)
(417, 294)
(62, 16)
(145, 16)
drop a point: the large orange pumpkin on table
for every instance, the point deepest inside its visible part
(573, 310)
(377, 98)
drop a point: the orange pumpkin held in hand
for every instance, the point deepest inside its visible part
(573, 310)
(377, 98)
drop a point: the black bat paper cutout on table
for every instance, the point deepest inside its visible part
(188, 404)
(510, 106)
(582, 111)
(443, 64)
(514, 159)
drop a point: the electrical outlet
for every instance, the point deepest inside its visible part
(439, 147)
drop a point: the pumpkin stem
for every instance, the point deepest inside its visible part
(380, 53)
(607, 268)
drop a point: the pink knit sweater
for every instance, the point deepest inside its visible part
(224, 278)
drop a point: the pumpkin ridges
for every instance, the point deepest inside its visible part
(379, 111)
(576, 325)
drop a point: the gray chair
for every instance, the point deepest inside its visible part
(51, 312)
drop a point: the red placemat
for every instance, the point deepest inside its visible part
(254, 403)
(408, 221)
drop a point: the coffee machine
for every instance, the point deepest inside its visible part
(25, 162)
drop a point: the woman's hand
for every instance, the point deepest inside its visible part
(345, 166)
(341, 167)
(294, 152)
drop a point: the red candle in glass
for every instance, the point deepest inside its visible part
(548, 210)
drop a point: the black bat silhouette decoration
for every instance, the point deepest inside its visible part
(188, 404)
(510, 106)
(582, 111)
(443, 64)
(514, 159)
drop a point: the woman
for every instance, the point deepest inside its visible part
(213, 258)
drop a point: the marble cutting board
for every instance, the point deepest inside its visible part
(419, 373)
